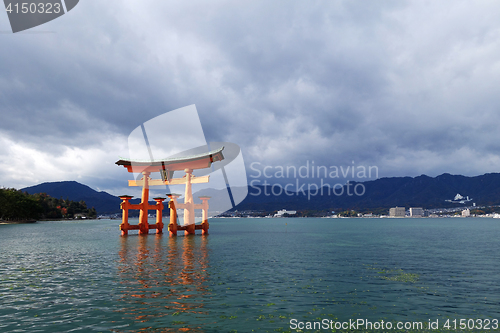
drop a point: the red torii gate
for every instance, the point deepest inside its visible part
(167, 167)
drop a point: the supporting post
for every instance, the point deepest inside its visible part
(159, 213)
(124, 226)
(172, 227)
(204, 218)
(189, 205)
(143, 215)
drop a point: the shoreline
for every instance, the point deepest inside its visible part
(17, 222)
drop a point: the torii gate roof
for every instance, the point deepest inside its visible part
(199, 161)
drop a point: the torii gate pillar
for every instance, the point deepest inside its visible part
(143, 214)
(172, 227)
(204, 216)
(125, 206)
(189, 205)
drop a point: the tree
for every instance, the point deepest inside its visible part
(17, 205)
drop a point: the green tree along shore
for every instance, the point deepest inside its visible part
(16, 205)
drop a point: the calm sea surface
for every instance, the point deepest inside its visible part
(248, 274)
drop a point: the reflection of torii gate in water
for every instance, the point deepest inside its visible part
(167, 167)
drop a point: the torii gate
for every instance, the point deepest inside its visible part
(166, 168)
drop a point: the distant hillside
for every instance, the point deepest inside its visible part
(103, 202)
(20, 206)
(421, 191)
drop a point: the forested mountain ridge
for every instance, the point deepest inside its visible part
(17, 205)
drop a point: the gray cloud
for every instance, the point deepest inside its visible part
(408, 86)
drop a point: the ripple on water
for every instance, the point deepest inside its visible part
(64, 277)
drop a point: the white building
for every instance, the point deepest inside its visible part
(466, 212)
(416, 212)
(397, 212)
(280, 213)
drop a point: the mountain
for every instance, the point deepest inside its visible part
(103, 202)
(422, 191)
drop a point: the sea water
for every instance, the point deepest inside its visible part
(248, 275)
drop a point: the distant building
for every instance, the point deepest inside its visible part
(416, 212)
(460, 199)
(397, 212)
(280, 213)
(466, 212)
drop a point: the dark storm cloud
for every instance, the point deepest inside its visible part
(408, 86)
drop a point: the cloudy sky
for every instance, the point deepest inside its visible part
(411, 87)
